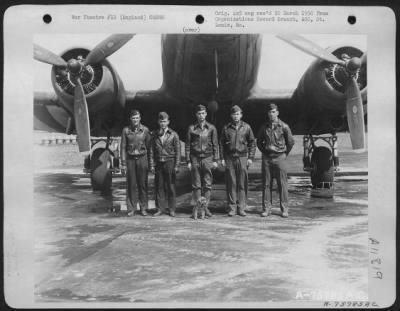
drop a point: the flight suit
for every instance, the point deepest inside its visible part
(165, 156)
(237, 144)
(135, 145)
(201, 151)
(274, 140)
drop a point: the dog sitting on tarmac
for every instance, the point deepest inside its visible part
(199, 209)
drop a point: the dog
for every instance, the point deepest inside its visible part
(199, 210)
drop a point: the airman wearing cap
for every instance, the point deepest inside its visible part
(237, 149)
(165, 155)
(274, 140)
(201, 150)
(135, 145)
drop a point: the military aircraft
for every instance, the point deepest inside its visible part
(217, 70)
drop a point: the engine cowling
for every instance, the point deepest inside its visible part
(322, 88)
(325, 82)
(104, 91)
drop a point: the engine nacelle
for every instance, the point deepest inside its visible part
(322, 88)
(104, 91)
(324, 82)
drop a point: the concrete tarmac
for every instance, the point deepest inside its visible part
(85, 253)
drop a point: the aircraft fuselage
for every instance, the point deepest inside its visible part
(191, 64)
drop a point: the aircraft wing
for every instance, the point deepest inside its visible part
(259, 93)
(49, 113)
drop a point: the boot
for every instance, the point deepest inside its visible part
(285, 210)
(158, 213)
(266, 212)
(194, 213)
(231, 213)
(242, 213)
(143, 211)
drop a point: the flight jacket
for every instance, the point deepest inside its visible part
(275, 138)
(237, 142)
(201, 142)
(169, 149)
(135, 144)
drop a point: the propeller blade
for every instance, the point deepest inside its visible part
(107, 47)
(43, 55)
(355, 115)
(364, 59)
(81, 116)
(310, 48)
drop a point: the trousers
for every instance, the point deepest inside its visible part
(274, 167)
(201, 177)
(165, 185)
(137, 181)
(236, 182)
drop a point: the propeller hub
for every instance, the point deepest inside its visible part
(74, 66)
(353, 65)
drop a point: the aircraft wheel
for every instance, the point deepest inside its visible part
(322, 163)
(100, 175)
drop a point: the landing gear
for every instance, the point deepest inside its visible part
(102, 163)
(100, 174)
(322, 162)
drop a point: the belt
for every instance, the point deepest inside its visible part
(202, 157)
(135, 157)
(236, 155)
(273, 155)
(165, 159)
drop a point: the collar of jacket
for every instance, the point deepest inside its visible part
(206, 125)
(140, 127)
(278, 123)
(232, 125)
(160, 133)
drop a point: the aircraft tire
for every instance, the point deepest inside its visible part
(100, 175)
(322, 164)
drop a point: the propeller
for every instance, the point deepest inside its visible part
(364, 59)
(355, 115)
(107, 47)
(75, 68)
(354, 104)
(310, 48)
(43, 55)
(81, 117)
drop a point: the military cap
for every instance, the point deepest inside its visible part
(200, 108)
(272, 106)
(134, 112)
(163, 116)
(235, 108)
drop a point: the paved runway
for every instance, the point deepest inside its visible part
(85, 253)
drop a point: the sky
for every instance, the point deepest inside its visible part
(139, 61)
